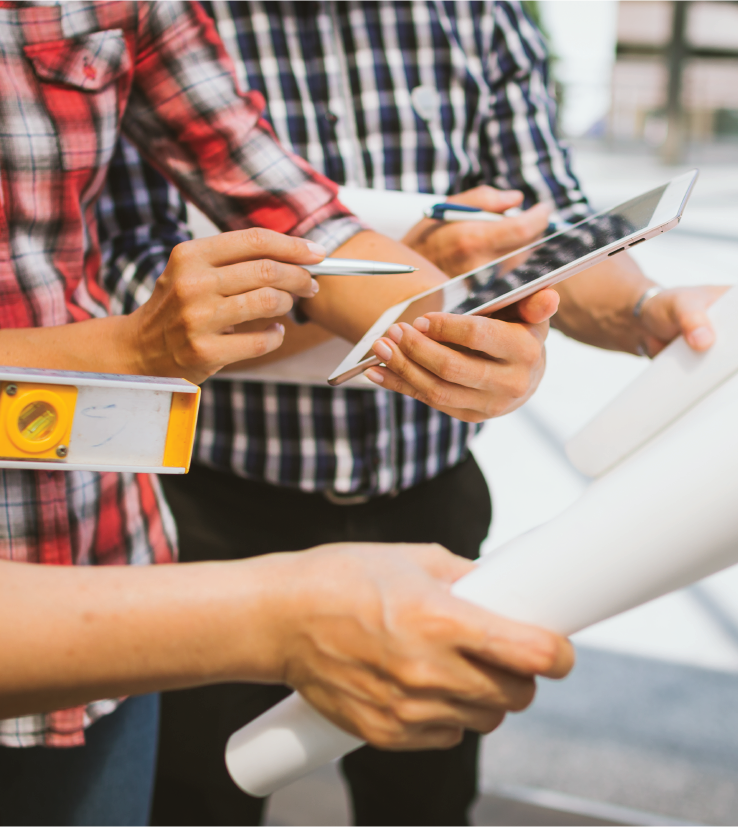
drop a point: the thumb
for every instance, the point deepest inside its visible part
(690, 316)
(532, 310)
(697, 330)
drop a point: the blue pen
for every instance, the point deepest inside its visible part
(461, 212)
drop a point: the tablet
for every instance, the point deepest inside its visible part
(541, 264)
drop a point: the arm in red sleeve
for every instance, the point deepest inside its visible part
(187, 115)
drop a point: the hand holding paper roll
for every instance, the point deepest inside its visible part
(454, 246)
(371, 636)
(661, 518)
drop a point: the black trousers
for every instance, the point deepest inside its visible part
(220, 517)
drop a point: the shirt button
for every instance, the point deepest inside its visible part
(332, 118)
(426, 101)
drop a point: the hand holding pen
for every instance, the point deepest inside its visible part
(458, 240)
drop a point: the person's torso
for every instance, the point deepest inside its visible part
(388, 95)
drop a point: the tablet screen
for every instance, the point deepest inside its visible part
(494, 280)
(556, 251)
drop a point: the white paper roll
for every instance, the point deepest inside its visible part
(288, 741)
(676, 379)
(389, 212)
(661, 519)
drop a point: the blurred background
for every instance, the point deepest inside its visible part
(649, 720)
(645, 731)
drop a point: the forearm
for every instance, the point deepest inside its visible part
(349, 305)
(98, 345)
(72, 635)
(369, 634)
(597, 305)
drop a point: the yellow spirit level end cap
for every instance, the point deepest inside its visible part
(181, 430)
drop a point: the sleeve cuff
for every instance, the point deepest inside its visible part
(331, 234)
(334, 232)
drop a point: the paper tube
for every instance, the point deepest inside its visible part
(676, 380)
(660, 520)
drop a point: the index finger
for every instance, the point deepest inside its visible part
(495, 337)
(436, 561)
(519, 230)
(257, 243)
(235, 279)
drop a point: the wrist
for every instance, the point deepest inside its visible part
(597, 305)
(646, 296)
(130, 352)
(258, 613)
(626, 322)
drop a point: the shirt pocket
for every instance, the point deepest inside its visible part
(83, 83)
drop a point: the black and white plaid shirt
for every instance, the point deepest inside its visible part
(416, 96)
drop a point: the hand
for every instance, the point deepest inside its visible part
(372, 638)
(680, 311)
(499, 364)
(457, 247)
(209, 286)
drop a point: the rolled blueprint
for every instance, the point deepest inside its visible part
(661, 519)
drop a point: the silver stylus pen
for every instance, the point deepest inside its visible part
(357, 267)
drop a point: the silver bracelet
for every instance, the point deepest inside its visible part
(649, 294)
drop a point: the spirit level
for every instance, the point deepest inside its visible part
(67, 420)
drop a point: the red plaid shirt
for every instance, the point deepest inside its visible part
(72, 76)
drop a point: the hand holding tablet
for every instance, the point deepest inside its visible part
(473, 368)
(528, 270)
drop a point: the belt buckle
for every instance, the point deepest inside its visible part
(338, 498)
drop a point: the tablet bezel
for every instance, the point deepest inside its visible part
(667, 215)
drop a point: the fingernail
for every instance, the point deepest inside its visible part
(422, 324)
(383, 350)
(395, 333)
(314, 284)
(701, 337)
(317, 249)
(374, 376)
(278, 327)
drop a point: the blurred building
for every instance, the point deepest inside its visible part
(675, 78)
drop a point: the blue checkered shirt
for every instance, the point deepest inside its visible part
(341, 82)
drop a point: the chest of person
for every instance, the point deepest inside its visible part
(65, 75)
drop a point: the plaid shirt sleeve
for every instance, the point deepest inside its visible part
(141, 217)
(187, 116)
(519, 136)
